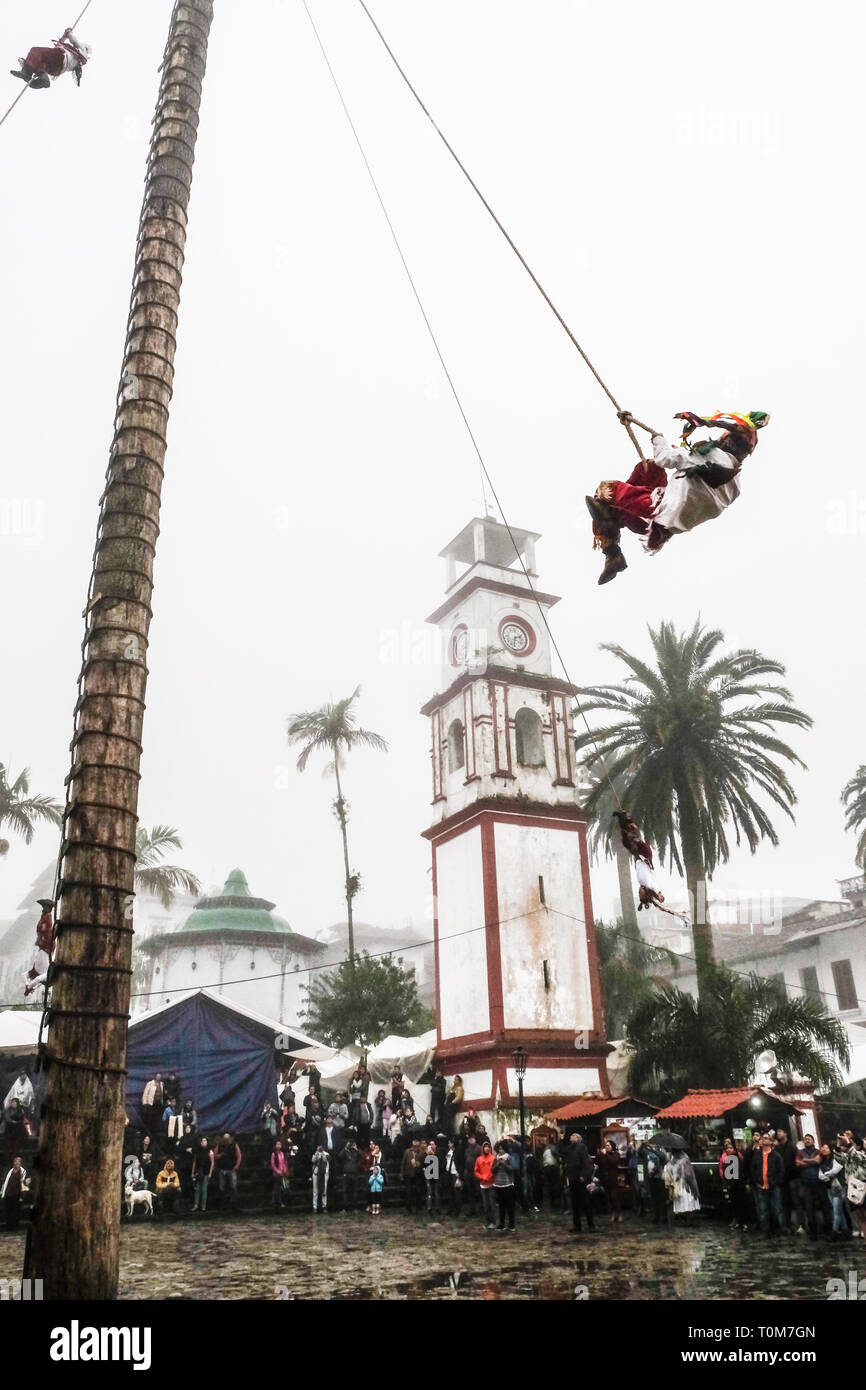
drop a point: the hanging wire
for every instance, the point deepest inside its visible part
(485, 472)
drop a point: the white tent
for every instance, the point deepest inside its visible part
(19, 1031)
(412, 1055)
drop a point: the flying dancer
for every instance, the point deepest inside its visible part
(43, 65)
(676, 490)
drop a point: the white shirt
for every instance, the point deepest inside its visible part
(687, 502)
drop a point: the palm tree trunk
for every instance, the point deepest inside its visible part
(342, 819)
(696, 883)
(75, 1235)
(628, 911)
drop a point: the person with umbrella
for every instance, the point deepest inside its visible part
(679, 1177)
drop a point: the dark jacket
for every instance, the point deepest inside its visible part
(470, 1154)
(350, 1160)
(775, 1168)
(578, 1164)
(788, 1154)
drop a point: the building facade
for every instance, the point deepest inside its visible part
(234, 944)
(515, 955)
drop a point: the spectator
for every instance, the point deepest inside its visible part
(608, 1164)
(338, 1110)
(396, 1088)
(314, 1078)
(452, 1182)
(147, 1159)
(830, 1172)
(183, 1160)
(152, 1102)
(631, 1166)
(15, 1128)
(453, 1101)
(286, 1090)
(654, 1164)
(503, 1185)
(382, 1111)
(791, 1189)
(470, 1125)
(167, 1188)
(431, 1178)
(850, 1153)
(364, 1121)
(188, 1116)
(471, 1187)
(484, 1174)
(321, 1165)
(22, 1091)
(314, 1123)
(270, 1121)
(531, 1176)
(437, 1098)
(331, 1138)
(279, 1176)
(350, 1165)
(412, 1173)
(395, 1131)
(767, 1173)
(356, 1090)
(227, 1161)
(171, 1119)
(172, 1085)
(15, 1184)
(579, 1172)
(732, 1178)
(550, 1172)
(202, 1172)
(291, 1122)
(808, 1161)
(375, 1179)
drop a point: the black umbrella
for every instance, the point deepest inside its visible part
(665, 1140)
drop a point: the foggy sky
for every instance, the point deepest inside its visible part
(684, 179)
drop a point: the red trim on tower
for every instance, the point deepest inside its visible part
(491, 925)
(592, 953)
(437, 995)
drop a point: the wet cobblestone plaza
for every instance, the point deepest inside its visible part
(398, 1258)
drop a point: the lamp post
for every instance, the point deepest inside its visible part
(520, 1058)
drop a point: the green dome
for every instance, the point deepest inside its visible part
(234, 909)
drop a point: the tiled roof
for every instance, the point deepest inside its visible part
(582, 1109)
(715, 1103)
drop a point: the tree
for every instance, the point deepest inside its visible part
(693, 750)
(20, 811)
(333, 730)
(74, 1242)
(151, 875)
(363, 1000)
(681, 1041)
(630, 971)
(854, 797)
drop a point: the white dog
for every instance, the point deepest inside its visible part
(138, 1197)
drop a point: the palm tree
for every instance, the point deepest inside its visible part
(333, 729)
(74, 1244)
(693, 750)
(715, 1040)
(854, 797)
(152, 875)
(630, 971)
(20, 811)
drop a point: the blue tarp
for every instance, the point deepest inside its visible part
(224, 1061)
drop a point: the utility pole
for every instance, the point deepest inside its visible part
(74, 1241)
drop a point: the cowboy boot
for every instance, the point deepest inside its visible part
(39, 83)
(24, 73)
(614, 562)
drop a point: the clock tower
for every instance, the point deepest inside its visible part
(514, 931)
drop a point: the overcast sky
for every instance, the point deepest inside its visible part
(686, 181)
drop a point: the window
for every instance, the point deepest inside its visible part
(456, 747)
(778, 984)
(843, 981)
(809, 981)
(529, 738)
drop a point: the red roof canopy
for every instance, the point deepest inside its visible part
(713, 1104)
(581, 1109)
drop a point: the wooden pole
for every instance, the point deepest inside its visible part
(74, 1241)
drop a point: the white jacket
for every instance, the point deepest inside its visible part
(687, 502)
(24, 1183)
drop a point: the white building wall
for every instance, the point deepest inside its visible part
(531, 934)
(463, 1002)
(223, 968)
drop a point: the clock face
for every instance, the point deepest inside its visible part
(459, 646)
(517, 636)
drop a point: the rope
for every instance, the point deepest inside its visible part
(485, 473)
(8, 113)
(622, 414)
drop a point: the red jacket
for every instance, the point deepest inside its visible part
(484, 1169)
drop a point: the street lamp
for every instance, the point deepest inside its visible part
(520, 1058)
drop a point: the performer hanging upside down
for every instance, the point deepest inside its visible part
(43, 65)
(647, 890)
(41, 958)
(677, 489)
